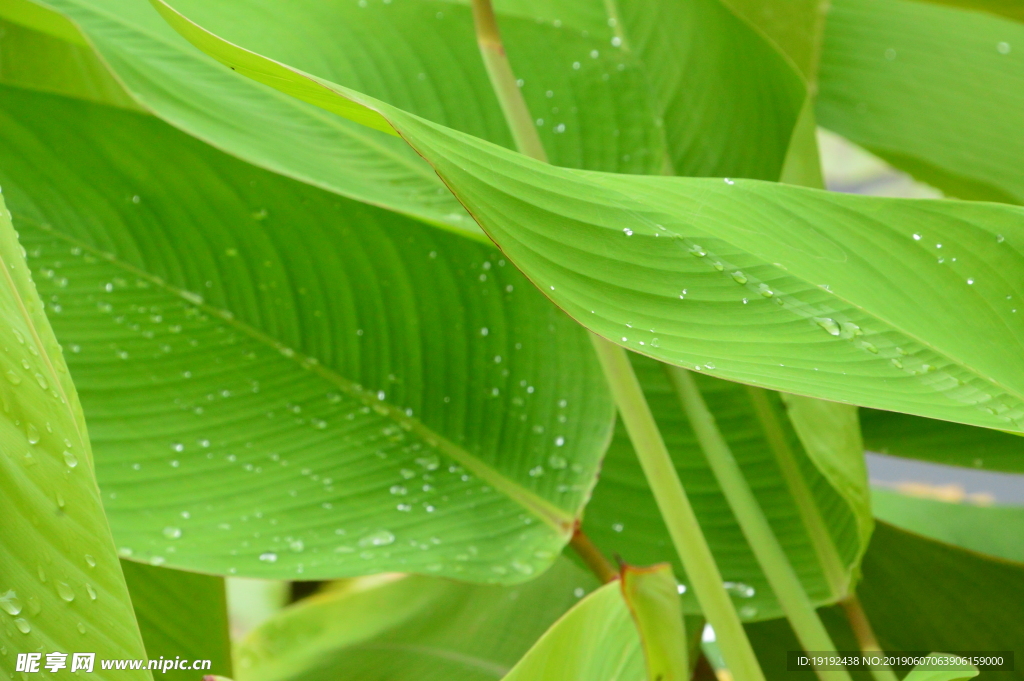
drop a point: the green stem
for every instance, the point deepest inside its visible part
(675, 508)
(865, 635)
(766, 547)
(821, 538)
(503, 81)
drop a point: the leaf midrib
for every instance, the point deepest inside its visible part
(558, 519)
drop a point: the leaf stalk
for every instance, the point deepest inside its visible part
(759, 534)
(669, 494)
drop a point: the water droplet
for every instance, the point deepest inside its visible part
(536, 471)
(1003, 47)
(680, 588)
(32, 434)
(297, 545)
(42, 381)
(70, 459)
(23, 625)
(739, 589)
(765, 291)
(91, 591)
(398, 490)
(917, 237)
(13, 377)
(739, 277)
(829, 325)
(697, 251)
(65, 591)
(559, 441)
(970, 281)
(81, 628)
(268, 557)
(618, 527)
(557, 462)
(9, 603)
(870, 347)
(627, 231)
(172, 532)
(378, 538)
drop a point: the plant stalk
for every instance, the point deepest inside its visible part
(766, 547)
(676, 511)
(865, 635)
(503, 80)
(629, 396)
(592, 556)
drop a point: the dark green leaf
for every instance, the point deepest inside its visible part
(281, 382)
(181, 614)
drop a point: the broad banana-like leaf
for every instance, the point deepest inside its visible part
(1007, 8)
(36, 60)
(919, 595)
(181, 615)
(942, 442)
(282, 382)
(823, 532)
(595, 110)
(61, 588)
(891, 72)
(38, 18)
(595, 640)
(992, 530)
(653, 599)
(814, 293)
(409, 628)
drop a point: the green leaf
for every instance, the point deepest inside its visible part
(918, 673)
(892, 71)
(1007, 8)
(39, 18)
(652, 596)
(409, 628)
(595, 640)
(282, 382)
(773, 285)
(595, 108)
(993, 530)
(181, 614)
(622, 517)
(919, 594)
(61, 589)
(941, 442)
(35, 60)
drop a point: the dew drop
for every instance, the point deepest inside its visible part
(23, 625)
(268, 557)
(765, 291)
(172, 532)
(65, 591)
(829, 325)
(378, 538)
(9, 603)
(739, 277)
(32, 434)
(739, 589)
(697, 251)
(70, 459)
(81, 628)
(91, 591)
(13, 377)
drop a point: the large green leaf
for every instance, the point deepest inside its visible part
(282, 382)
(595, 640)
(892, 71)
(181, 614)
(653, 600)
(33, 59)
(61, 588)
(623, 518)
(942, 442)
(594, 110)
(994, 530)
(810, 292)
(409, 628)
(920, 595)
